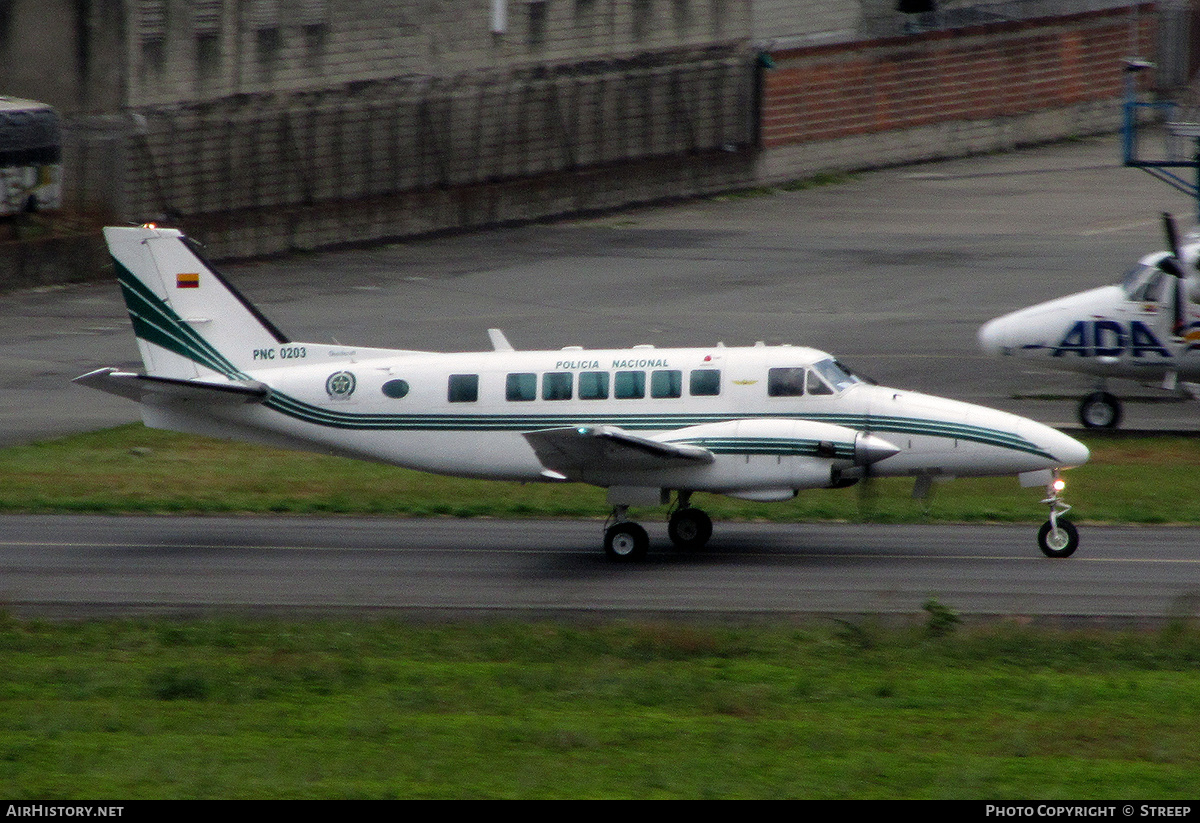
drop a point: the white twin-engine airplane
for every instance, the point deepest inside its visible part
(754, 422)
(1147, 328)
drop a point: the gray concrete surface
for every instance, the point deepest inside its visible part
(893, 271)
(81, 565)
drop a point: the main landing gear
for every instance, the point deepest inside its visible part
(1058, 536)
(688, 528)
(1100, 410)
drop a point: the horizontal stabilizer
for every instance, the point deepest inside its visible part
(140, 386)
(607, 448)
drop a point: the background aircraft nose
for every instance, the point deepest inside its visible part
(994, 336)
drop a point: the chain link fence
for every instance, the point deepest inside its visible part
(255, 157)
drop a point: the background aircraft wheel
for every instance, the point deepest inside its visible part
(626, 541)
(689, 529)
(1100, 410)
(1060, 542)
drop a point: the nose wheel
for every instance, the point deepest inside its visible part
(1059, 539)
(1058, 536)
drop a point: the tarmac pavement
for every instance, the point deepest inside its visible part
(893, 271)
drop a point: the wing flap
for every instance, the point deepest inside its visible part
(139, 387)
(569, 451)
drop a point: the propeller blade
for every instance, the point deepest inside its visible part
(1179, 298)
(1170, 265)
(1172, 234)
(1173, 266)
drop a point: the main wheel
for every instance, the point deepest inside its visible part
(1058, 542)
(1100, 410)
(626, 541)
(689, 529)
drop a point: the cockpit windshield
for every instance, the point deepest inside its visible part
(1143, 283)
(834, 373)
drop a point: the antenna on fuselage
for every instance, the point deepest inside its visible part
(499, 341)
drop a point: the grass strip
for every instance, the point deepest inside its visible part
(245, 709)
(135, 469)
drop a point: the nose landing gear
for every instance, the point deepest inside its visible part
(1058, 536)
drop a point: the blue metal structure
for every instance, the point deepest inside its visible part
(1168, 169)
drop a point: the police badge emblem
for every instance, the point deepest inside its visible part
(340, 385)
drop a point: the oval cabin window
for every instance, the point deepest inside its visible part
(395, 388)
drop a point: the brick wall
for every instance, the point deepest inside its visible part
(945, 93)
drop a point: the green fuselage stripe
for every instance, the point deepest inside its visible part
(154, 321)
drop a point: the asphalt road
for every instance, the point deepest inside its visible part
(76, 566)
(893, 271)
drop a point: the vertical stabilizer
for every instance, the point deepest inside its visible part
(189, 321)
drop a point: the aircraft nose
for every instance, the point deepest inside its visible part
(1066, 450)
(994, 336)
(1072, 452)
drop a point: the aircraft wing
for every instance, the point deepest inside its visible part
(567, 451)
(141, 386)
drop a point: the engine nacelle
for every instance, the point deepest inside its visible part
(777, 454)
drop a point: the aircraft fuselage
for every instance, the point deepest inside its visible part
(465, 414)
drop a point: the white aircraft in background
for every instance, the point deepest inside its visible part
(1147, 328)
(648, 424)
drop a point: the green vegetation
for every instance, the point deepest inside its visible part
(134, 469)
(373, 709)
(158, 709)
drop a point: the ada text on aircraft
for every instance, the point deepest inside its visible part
(1146, 328)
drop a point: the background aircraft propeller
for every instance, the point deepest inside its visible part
(1173, 266)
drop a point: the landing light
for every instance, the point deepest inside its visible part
(1059, 484)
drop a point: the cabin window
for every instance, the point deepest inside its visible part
(815, 385)
(593, 385)
(556, 385)
(788, 382)
(1134, 278)
(704, 382)
(395, 389)
(629, 385)
(520, 387)
(464, 388)
(1151, 290)
(835, 374)
(666, 383)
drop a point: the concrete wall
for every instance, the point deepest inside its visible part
(167, 52)
(420, 154)
(265, 125)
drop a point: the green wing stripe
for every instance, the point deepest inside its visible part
(769, 445)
